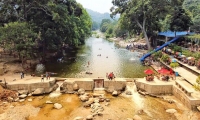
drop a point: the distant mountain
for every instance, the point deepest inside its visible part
(96, 16)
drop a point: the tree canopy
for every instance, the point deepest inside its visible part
(144, 15)
(55, 22)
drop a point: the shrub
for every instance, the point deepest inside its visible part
(197, 85)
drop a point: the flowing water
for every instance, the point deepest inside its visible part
(100, 57)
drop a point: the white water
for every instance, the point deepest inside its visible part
(136, 97)
(56, 93)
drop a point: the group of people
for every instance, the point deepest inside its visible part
(48, 75)
(149, 77)
(110, 76)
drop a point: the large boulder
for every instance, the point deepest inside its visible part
(110, 89)
(89, 117)
(115, 93)
(198, 108)
(78, 118)
(67, 87)
(21, 92)
(136, 117)
(57, 106)
(84, 98)
(52, 82)
(81, 91)
(171, 111)
(38, 91)
(23, 96)
(75, 87)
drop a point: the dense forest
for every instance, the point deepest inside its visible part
(31, 29)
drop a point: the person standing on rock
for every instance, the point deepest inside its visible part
(49, 75)
(42, 78)
(22, 74)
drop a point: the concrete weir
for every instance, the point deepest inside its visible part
(88, 84)
(158, 87)
(71, 85)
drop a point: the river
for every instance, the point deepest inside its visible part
(99, 57)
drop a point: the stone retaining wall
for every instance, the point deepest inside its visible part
(154, 89)
(86, 85)
(115, 85)
(189, 102)
(32, 86)
(185, 99)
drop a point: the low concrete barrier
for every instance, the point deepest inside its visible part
(32, 86)
(188, 101)
(154, 89)
(86, 85)
(115, 85)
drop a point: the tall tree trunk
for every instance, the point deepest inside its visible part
(147, 40)
(142, 27)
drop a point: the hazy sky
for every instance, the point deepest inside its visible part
(101, 6)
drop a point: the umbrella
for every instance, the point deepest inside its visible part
(163, 71)
(148, 71)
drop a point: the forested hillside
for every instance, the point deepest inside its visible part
(98, 17)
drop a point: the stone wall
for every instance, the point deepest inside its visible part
(114, 85)
(154, 89)
(185, 99)
(86, 85)
(188, 101)
(32, 86)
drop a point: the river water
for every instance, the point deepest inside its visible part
(99, 57)
(123, 63)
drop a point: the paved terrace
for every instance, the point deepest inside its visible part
(190, 74)
(186, 78)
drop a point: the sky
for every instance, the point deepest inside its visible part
(101, 6)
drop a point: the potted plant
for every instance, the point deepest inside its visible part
(157, 55)
(165, 58)
(174, 65)
(198, 64)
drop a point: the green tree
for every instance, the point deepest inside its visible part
(95, 25)
(180, 21)
(144, 13)
(19, 38)
(197, 85)
(59, 22)
(105, 24)
(196, 25)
